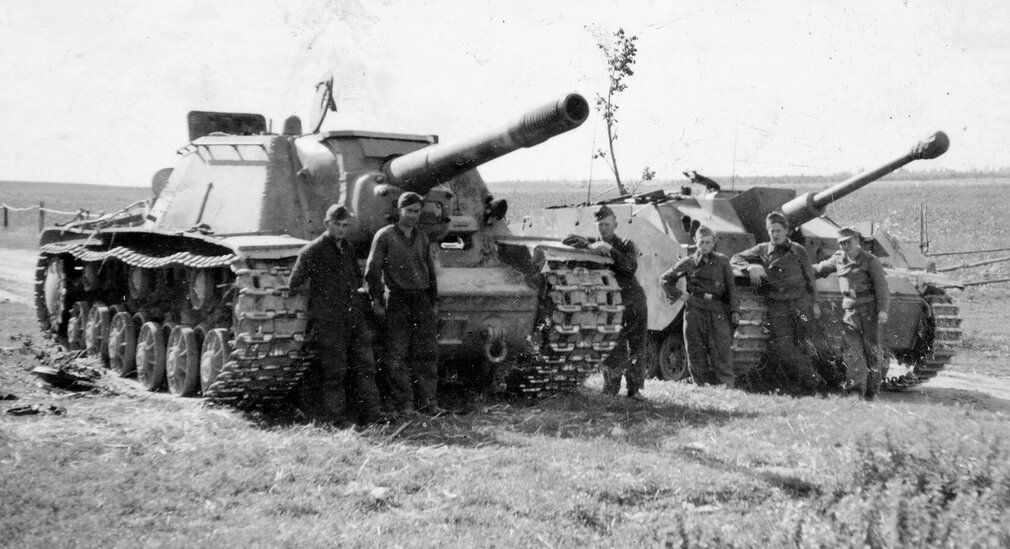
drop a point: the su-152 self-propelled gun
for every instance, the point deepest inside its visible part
(192, 293)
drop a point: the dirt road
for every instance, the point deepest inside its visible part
(957, 385)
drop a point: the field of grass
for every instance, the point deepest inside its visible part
(696, 467)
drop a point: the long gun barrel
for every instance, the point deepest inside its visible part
(805, 207)
(421, 170)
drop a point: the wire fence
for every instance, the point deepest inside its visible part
(7, 210)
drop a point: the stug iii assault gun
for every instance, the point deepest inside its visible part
(923, 332)
(192, 294)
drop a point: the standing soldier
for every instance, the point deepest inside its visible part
(624, 360)
(337, 331)
(400, 260)
(791, 296)
(712, 310)
(865, 300)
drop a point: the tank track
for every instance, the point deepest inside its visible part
(268, 323)
(938, 352)
(750, 339)
(266, 362)
(578, 324)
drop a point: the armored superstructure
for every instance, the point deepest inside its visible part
(923, 332)
(191, 294)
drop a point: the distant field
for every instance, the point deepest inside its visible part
(964, 214)
(23, 229)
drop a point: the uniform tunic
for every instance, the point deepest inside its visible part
(864, 293)
(338, 335)
(707, 327)
(790, 294)
(405, 265)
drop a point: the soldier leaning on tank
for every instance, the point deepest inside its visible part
(401, 260)
(337, 331)
(865, 301)
(625, 358)
(712, 310)
(782, 270)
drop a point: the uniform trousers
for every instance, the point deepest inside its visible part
(861, 352)
(411, 342)
(789, 325)
(707, 338)
(341, 379)
(625, 359)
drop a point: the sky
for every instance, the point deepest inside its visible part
(97, 92)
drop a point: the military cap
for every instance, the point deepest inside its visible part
(336, 212)
(409, 199)
(703, 231)
(847, 233)
(777, 217)
(603, 213)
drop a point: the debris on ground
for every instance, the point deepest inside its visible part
(64, 378)
(35, 409)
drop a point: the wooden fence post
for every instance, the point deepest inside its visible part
(42, 215)
(6, 222)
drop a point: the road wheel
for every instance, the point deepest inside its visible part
(182, 363)
(123, 344)
(212, 359)
(151, 356)
(96, 332)
(671, 358)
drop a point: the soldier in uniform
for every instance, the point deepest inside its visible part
(865, 300)
(625, 359)
(400, 260)
(783, 271)
(711, 312)
(337, 331)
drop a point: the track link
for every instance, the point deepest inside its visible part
(265, 361)
(750, 339)
(944, 340)
(578, 325)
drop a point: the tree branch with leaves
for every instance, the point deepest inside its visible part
(619, 50)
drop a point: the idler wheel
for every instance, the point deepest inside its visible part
(54, 291)
(215, 353)
(151, 356)
(123, 344)
(96, 331)
(182, 364)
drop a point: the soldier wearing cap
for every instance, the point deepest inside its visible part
(865, 300)
(338, 335)
(400, 260)
(624, 360)
(711, 312)
(782, 270)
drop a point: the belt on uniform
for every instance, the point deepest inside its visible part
(857, 295)
(705, 296)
